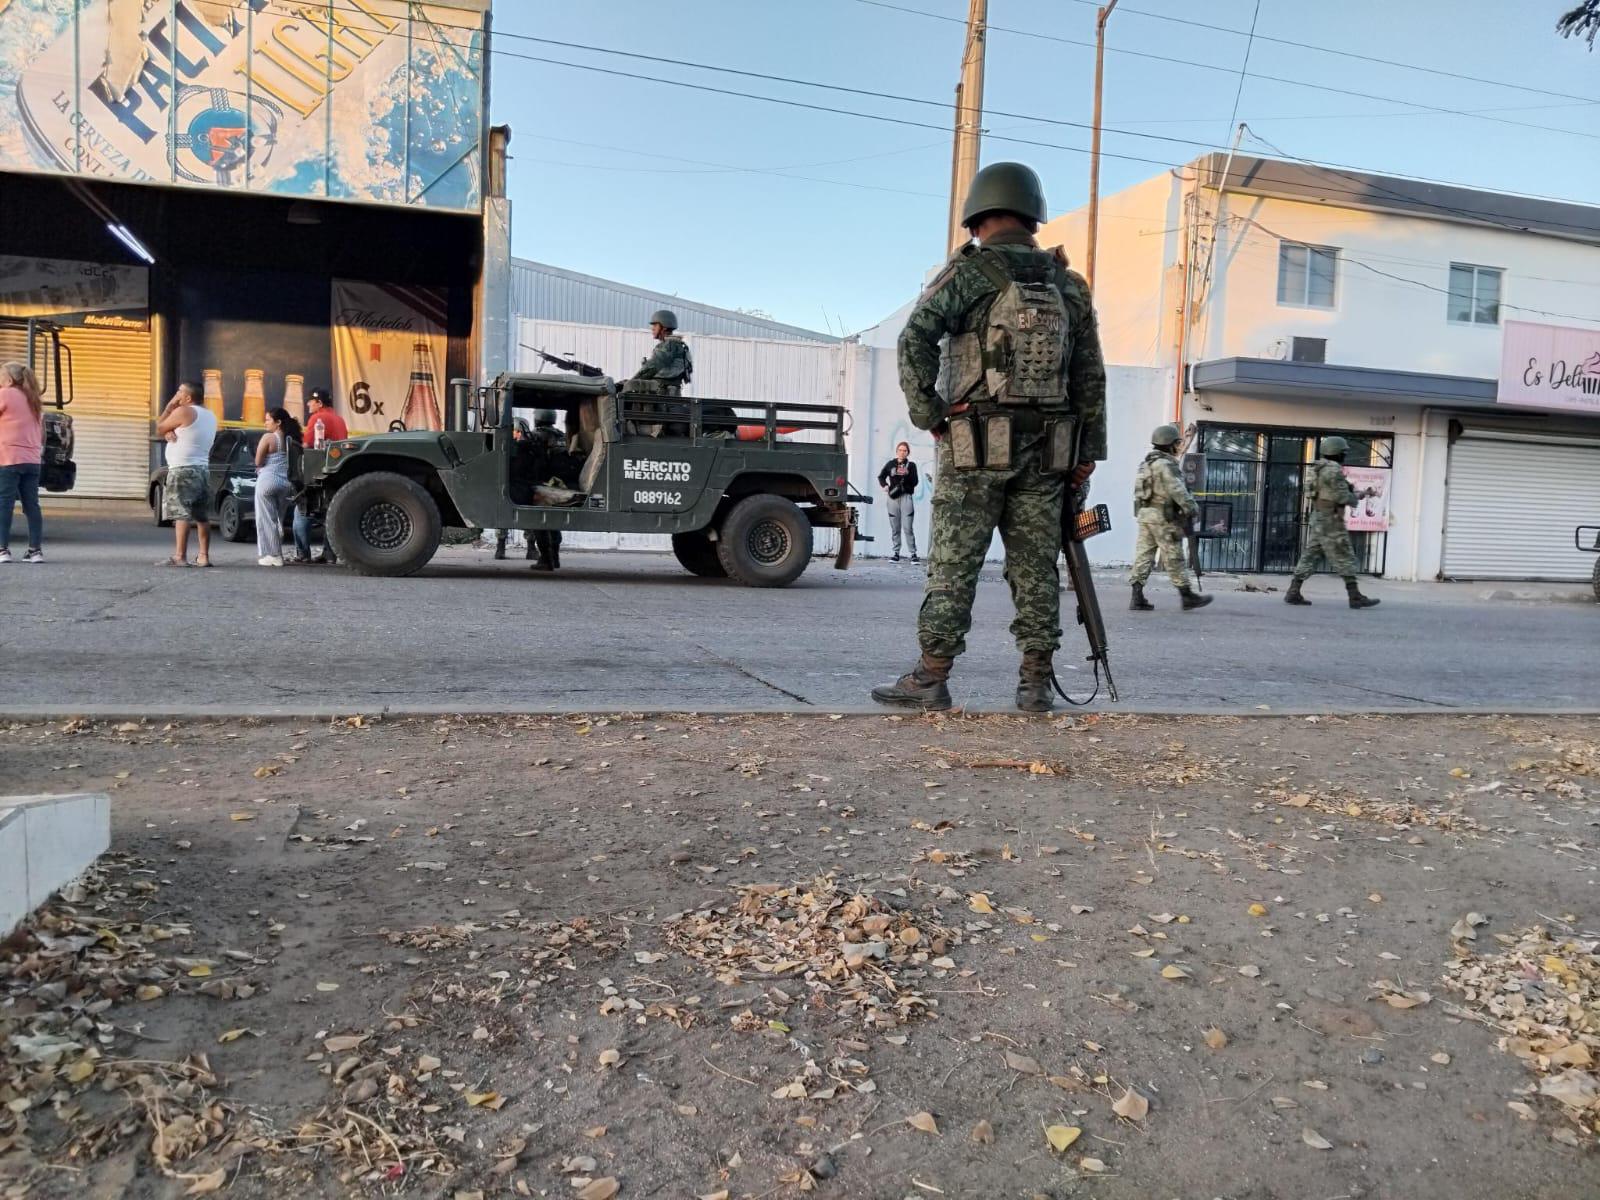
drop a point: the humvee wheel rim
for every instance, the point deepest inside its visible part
(769, 543)
(385, 525)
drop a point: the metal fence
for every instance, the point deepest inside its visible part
(1260, 473)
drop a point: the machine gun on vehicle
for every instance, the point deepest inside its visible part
(587, 370)
(1077, 526)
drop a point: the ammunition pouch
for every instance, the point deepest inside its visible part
(991, 440)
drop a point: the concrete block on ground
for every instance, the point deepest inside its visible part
(45, 843)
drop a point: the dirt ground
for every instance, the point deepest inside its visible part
(866, 957)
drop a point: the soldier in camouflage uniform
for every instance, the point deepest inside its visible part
(1326, 535)
(669, 367)
(1021, 411)
(1160, 498)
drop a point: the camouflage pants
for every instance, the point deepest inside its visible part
(968, 506)
(1158, 533)
(1326, 537)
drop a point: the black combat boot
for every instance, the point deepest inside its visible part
(1034, 693)
(926, 685)
(1357, 600)
(499, 548)
(1293, 595)
(1193, 599)
(555, 556)
(1139, 603)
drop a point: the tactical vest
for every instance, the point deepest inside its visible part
(688, 360)
(1326, 494)
(1020, 355)
(1145, 491)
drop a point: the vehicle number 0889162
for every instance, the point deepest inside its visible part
(672, 498)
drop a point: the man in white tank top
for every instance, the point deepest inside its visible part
(189, 429)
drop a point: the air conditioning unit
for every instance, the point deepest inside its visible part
(1309, 350)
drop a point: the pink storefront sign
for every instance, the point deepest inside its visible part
(1550, 366)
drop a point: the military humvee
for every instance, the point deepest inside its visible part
(738, 486)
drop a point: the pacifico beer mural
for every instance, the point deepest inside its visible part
(367, 100)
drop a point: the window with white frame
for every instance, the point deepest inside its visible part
(1307, 274)
(1474, 294)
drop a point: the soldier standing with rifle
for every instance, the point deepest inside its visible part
(1023, 412)
(1326, 535)
(1160, 498)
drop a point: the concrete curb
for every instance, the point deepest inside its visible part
(45, 843)
(209, 714)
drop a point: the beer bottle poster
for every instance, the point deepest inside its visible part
(379, 101)
(388, 356)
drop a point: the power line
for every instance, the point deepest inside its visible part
(1362, 189)
(1371, 58)
(1206, 66)
(1244, 67)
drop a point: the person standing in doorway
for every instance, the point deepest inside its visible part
(1326, 535)
(272, 485)
(323, 426)
(189, 428)
(21, 456)
(899, 479)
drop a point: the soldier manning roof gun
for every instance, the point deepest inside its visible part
(566, 364)
(1077, 526)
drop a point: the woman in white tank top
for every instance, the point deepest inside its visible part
(273, 488)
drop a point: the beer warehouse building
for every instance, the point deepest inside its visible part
(260, 201)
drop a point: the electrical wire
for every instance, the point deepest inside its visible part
(1206, 66)
(1244, 68)
(1371, 58)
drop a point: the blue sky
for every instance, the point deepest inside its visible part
(831, 221)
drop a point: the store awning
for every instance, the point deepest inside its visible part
(1328, 381)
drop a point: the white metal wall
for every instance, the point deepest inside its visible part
(1513, 502)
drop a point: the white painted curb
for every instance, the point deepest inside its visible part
(45, 843)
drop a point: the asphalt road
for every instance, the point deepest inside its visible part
(99, 629)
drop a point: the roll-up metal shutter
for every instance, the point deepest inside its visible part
(1513, 502)
(110, 409)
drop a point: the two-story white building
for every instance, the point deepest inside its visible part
(1452, 335)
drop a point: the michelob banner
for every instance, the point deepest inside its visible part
(389, 348)
(369, 100)
(1371, 513)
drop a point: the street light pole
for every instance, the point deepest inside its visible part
(969, 118)
(1101, 17)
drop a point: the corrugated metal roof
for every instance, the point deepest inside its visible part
(541, 292)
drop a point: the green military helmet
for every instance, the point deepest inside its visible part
(1166, 435)
(1011, 187)
(544, 416)
(1334, 445)
(666, 317)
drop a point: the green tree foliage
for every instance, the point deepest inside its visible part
(1582, 22)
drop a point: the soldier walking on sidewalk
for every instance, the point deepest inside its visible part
(1326, 535)
(1160, 499)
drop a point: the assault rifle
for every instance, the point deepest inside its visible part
(566, 364)
(1191, 530)
(1077, 525)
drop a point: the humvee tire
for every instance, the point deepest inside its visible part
(1596, 579)
(230, 521)
(383, 524)
(698, 555)
(765, 542)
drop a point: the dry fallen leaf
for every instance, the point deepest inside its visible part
(199, 971)
(1216, 1039)
(595, 1131)
(1257, 910)
(1173, 971)
(343, 1042)
(231, 1035)
(1314, 1139)
(983, 1133)
(1062, 1136)
(721, 1194)
(327, 987)
(1132, 1106)
(204, 1185)
(148, 991)
(1250, 971)
(600, 1189)
(490, 1100)
(610, 1058)
(241, 816)
(978, 902)
(1021, 1062)
(923, 1121)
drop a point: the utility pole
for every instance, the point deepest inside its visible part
(969, 118)
(1094, 148)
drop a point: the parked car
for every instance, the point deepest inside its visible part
(233, 486)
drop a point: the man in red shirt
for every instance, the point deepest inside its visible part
(323, 427)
